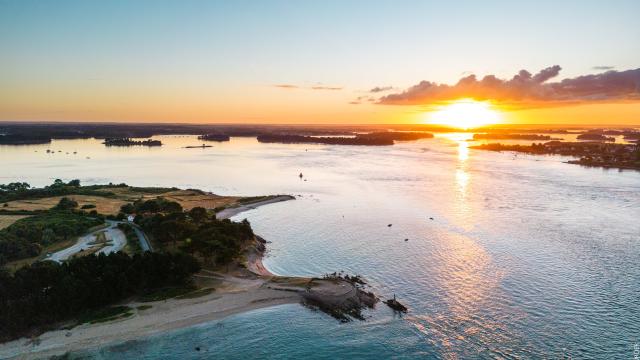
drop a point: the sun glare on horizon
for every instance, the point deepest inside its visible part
(465, 114)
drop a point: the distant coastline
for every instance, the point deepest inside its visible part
(592, 154)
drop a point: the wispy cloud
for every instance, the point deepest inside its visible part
(603, 67)
(525, 89)
(315, 87)
(322, 87)
(286, 86)
(361, 99)
(378, 89)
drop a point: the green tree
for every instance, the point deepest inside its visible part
(198, 214)
(128, 208)
(66, 204)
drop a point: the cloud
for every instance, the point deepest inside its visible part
(378, 89)
(286, 86)
(603, 67)
(315, 87)
(361, 99)
(525, 89)
(321, 87)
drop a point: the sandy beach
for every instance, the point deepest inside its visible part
(236, 291)
(232, 211)
(234, 295)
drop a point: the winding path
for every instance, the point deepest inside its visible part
(116, 240)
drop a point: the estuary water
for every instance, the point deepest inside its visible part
(496, 255)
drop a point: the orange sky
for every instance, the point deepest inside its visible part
(266, 104)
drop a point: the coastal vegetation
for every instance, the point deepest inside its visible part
(133, 243)
(215, 242)
(45, 293)
(22, 190)
(27, 237)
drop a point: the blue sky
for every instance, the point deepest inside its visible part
(220, 47)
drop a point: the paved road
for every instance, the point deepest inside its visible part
(114, 236)
(144, 242)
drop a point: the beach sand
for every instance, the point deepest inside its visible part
(234, 293)
(232, 211)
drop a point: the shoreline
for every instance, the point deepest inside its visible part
(236, 295)
(233, 211)
(245, 288)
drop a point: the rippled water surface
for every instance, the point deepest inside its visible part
(507, 256)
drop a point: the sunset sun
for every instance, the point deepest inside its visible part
(465, 114)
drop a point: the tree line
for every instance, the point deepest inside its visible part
(22, 190)
(27, 237)
(196, 231)
(45, 293)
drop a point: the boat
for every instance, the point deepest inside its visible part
(396, 305)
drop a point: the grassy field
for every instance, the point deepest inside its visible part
(103, 205)
(111, 205)
(188, 199)
(6, 220)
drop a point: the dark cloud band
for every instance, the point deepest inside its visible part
(525, 89)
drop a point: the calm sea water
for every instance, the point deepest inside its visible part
(508, 256)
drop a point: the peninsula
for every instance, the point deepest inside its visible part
(596, 154)
(200, 266)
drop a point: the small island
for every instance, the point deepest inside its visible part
(87, 265)
(131, 142)
(595, 137)
(214, 137)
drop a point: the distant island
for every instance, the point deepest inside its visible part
(131, 142)
(507, 136)
(369, 139)
(23, 139)
(595, 136)
(214, 137)
(95, 264)
(597, 154)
